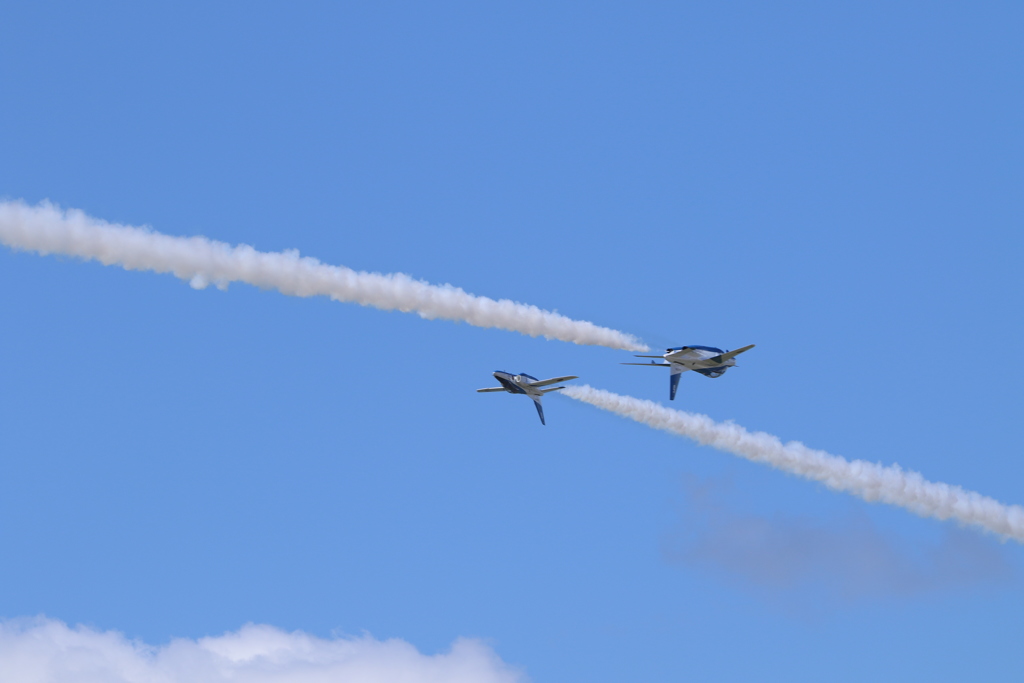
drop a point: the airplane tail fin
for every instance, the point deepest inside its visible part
(673, 384)
(540, 409)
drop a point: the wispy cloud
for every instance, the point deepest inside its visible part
(48, 651)
(847, 558)
(49, 230)
(871, 481)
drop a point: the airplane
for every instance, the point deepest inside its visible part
(707, 360)
(526, 384)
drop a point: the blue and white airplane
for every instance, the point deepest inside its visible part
(707, 360)
(527, 384)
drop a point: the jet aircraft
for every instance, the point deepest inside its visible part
(707, 360)
(526, 384)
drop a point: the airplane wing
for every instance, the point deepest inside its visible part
(687, 353)
(722, 357)
(489, 389)
(650, 365)
(553, 380)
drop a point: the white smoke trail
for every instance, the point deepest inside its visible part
(871, 481)
(48, 229)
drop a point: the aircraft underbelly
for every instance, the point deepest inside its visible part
(708, 365)
(510, 386)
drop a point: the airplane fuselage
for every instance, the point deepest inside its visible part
(517, 384)
(702, 359)
(709, 361)
(528, 385)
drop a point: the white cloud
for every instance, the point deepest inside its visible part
(49, 651)
(811, 563)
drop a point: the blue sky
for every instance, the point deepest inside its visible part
(838, 184)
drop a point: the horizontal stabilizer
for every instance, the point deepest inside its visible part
(650, 365)
(636, 356)
(553, 380)
(545, 391)
(721, 358)
(489, 389)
